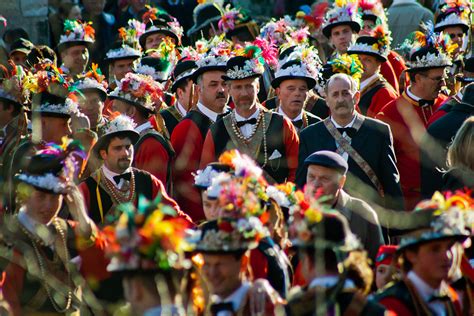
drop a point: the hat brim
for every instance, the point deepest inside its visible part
(204, 69)
(20, 50)
(167, 32)
(379, 57)
(103, 94)
(132, 135)
(421, 241)
(226, 78)
(65, 45)
(112, 97)
(310, 81)
(465, 28)
(354, 26)
(51, 114)
(16, 103)
(112, 59)
(176, 83)
(197, 28)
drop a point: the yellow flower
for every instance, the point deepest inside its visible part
(313, 216)
(375, 46)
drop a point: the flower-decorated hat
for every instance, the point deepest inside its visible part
(235, 21)
(205, 14)
(277, 31)
(157, 68)
(93, 80)
(344, 12)
(22, 45)
(316, 226)
(453, 13)
(377, 44)
(247, 64)
(228, 235)
(151, 238)
(11, 86)
(313, 16)
(372, 10)
(451, 216)
(213, 55)
(302, 63)
(427, 50)
(50, 91)
(158, 21)
(53, 168)
(139, 90)
(127, 47)
(121, 125)
(183, 70)
(76, 33)
(203, 178)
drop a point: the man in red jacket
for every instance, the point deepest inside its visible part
(408, 115)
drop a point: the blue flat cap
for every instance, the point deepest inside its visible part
(328, 159)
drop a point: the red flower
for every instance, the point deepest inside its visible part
(226, 226)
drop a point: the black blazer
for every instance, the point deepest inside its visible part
(374, 142)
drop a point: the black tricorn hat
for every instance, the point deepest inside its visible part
(183, 70)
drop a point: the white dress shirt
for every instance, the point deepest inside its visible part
(235, 298)
(426, 292)
(247, 129)
(110, 175)
(181, 109)
(143, 127)
(344, 155)
(207, 112)
(299, 117)
(411, 95)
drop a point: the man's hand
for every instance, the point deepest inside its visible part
(77, 209)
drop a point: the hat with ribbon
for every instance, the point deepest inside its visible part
(53, 168)
(453, 13)
(159, 21)
(343, 12)
(120, 126)
(76, 33)
(376, 45)
(139, 90)
(151, 238)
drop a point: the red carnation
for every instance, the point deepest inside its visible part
(226, 226)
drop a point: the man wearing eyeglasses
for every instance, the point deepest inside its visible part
(408, 115)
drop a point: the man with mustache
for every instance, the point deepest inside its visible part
(365, 143)
(188, 136)
(267, 137)
(116, 181)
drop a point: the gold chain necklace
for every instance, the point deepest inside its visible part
(36, 240)
(117, 195)
(237, 131)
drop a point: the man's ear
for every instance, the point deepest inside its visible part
(342, 181)
(103, 154)
(277, 92)
(357, 97)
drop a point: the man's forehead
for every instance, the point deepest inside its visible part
(339, 84)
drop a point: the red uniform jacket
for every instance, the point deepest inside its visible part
(153, 157)
(408, 123)
(397, 63)
(388, 73)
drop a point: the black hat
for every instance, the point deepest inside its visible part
(364, 45)
(468, 66)
(240, 67)
(22, 45)
(328, 159)
(122, 125)
(451, 18)
(347, 14)
(203, 15)
(76, 33)
(210, 62)
(428, 57)
(120, 51)
(161, 25)
(158, 68)
(52, 105)
(183, 70)
(295, 69)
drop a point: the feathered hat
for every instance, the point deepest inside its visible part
(93, 80)
(158, 21)
(236, 20)
(183, 70)
(248, 63)
(346, 64)
(372, 10)
(453, 13)
(213, 55)
(377, 44)
(205, 14)
(11, 86)
(76, 33)
(344, 12)
(127, 47)
(121, 125)
(54, 168)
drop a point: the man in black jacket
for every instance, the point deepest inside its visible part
(366, 144)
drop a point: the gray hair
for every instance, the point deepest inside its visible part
(340, 76)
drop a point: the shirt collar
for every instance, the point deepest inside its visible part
(425, 291)
(395, 2)
(143, 127)
(32, 226)
(236, 297)
(339, 126)
(329, 281)
(239, 118)
(368, 81)
(411, 95)
(298, 118)
(207, 112)
(109, 174)
(180, 109)
(459, 95)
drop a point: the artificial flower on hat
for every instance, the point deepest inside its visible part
(150, 238)
(231, 17)
(77, 32)
(277, 31)
(373, 10)
(11, 85)
(376, 44)
(342, 12)
(130, 47)
(92, 79)
(159, 21)
(346, 64)
(453, 13)
(314, 18)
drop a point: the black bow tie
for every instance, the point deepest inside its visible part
(220, 307)
(350, 131)
(125, 176)
(298, 123)
(423, 102)
(251, 121)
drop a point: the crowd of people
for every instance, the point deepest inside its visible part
(305, 165)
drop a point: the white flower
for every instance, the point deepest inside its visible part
(47, 181)
(278, 196)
